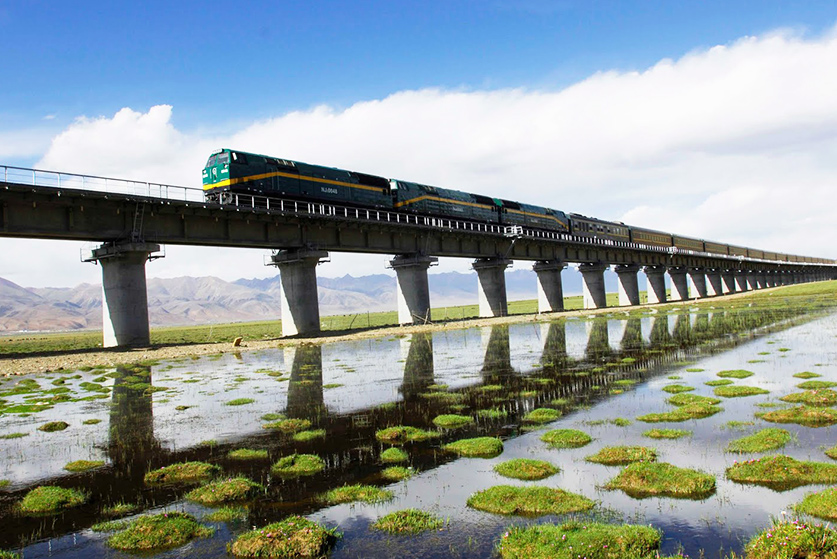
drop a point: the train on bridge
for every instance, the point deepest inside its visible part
(229, 172)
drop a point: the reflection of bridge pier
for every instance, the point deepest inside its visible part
(598, 341)
(555, 345)
(131, 442)
(418, 367)
(632, 337)
(660, 336)
(682, 333)
(497, 361)
(305, 388)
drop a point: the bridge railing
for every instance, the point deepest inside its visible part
(53, 179)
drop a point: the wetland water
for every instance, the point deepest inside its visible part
(593, 370)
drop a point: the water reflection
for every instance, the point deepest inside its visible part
(305, 388)
(418, 366)
(632, 337)
(497, 360)
(598, 341)
(131, 438)
(554, 345)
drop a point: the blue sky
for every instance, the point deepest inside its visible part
(696, 117)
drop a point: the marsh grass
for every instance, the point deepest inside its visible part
(793, 540)
(294, 536)
(53, 426)
(820, 397)
(310, 435)
(677, 388)
(83, 465)
(354, 493)
(781, 473)
(408, 521)
(298, 465)
(110, 526)
(771, 438)
(816, 384)
(119, 509)
(397, 473)
(831, 452)
(690, 399)
(492, 413)
(526, 469)
(226, 514)
(394, 455)
(666, 433)
(50, 499)
(719, 382)
(528, 500)
(240, 402)
(682, 413)
(807, 375)
(821, 505)
(224, 491)
(599, 541)
(452, 421)
(14, 436)
(621, 455)
(401, 434)
(182, 472)
(542, 415)
(659, 479)
(479, 447)
(809, 416)
(735, 373)
(738, 391)
(247, 454)
(566, 438)
(288, 426)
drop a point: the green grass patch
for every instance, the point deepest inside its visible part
(625, 382)
(621, 455)
(182, 472)
(332, 385)
(408, 521)
(807, 375)
(110, 525)
(224, 491)
(83, 465)
(297, 465)
(781, 473)
(565, 541)
(528, 501)
(719, 382)
(677, 388)
(493, 413)
(14, 436)
(691, 399)
(658, 479)
(272, 416)
(247, 454)
(401, 434)
(397, 473)
(240, 402)
(310, 435)
(821, 397)
(526, 468)
(793, 540)
(119, 509)
(288, 426)
(53, 426)
(816, 384)
(356, 492)
(159, 531)
(452, 420)
(394, 455)
(821, 505)
(682, 413)
(566, 438)
(227, 514)
(49, 499)
(736, 373)
(542, 415)
(809, 416)
(674, 377)
(666, 433)
(294, 537)
(479, 447)
(695, 370)
(444, 397)
(738, 391)
(766, 439)
(831, 452)
(93, 421)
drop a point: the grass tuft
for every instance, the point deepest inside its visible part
(288, 425)
(682, 413)
(53, 426)
(666, 433)
(816, 384)
(394, 455)
(793, 540)
(766, 439)
(598, 541)
(247, 454)
(821, 505)
(781, 473)
(566, 438)
(529, 501)
(719, 382)
(310, 435)
(226, 514)
(690, 399)
(621, 455)
(297, 465)
(182, 472)
(479, 447)
(223, 491)
(738, 391)
(820, 397)
(83, 465)
(295, 536)
(240, 402)
(50, 499)
(808, 416)
(408, 521)
(807, 375)
(650, 479)
(542, 415)
(397, 473)
(736, 373)
(526, 468)
(452, 421)
(401, 434)
(356, 492)
(677, 388)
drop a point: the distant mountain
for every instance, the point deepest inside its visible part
(188, 300)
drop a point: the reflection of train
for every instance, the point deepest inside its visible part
(229, 172)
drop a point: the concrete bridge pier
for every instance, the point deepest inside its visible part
(595, 296)
(628, 285)
(550, 288)
(714, 282)
(697, 277)
(741, 280)
(728, 281)
(413, 291)
(679, 283)
(656, 289)
(298, 278)
(752, 280)
(124, 292)
(491, 275)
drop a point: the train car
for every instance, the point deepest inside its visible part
(755, 253)
(716, 248)
(229, 172)
(770, 256)
(651, 237)
(584, 226)
(536, 217)
(687, 243)
(432, 200)
(737, 251)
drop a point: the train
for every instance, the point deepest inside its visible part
(228, 172)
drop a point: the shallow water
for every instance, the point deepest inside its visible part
(352, 389)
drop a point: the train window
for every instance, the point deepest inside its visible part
(211, 161)
(239, 158)
(222, 158)
(482, 200)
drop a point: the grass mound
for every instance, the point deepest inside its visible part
(53, 426)
(666, 433)
(293, 537)
(599, 541)
(766, 439)
(394, 455)
(806, 375)
(397, 473)
(821, 505)
(452, 420)
(816, 384)
(401, 434)
(677, 388)
(528, 501)
(159, 531)
(247, 454)
(408, 521)
(240, 402)
(682, 413)
(781, 473)
(649, 479)
(821, 397)
(49, 499)
(542, 415)
(621, 455)
(690, 399)
(309, 435)
(809, 416)
(288, 426)
(718, 382)
(297, 465)
(223, 491)
(566, 438)
(735, 373)
(83, 465)
(793, 540)
(526, 468)
(356, 492)
(182, 472)
(738, 391)
(479, 447)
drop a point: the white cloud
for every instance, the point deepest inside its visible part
(737, 143)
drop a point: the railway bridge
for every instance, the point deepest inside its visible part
(131, 220)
